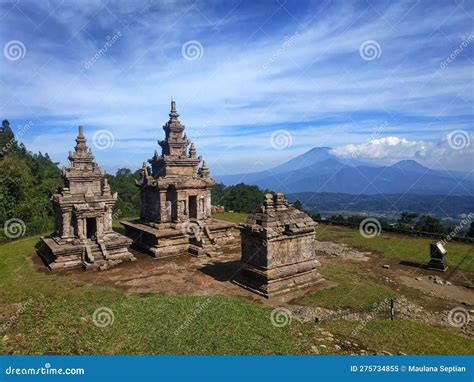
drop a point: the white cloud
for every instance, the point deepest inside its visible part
(443, 154)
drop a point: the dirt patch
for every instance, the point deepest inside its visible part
(342, 251)
(449, 292)
(180, 275)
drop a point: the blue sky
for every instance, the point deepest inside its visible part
(377, 80)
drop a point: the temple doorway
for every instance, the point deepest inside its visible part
(91, 227)
(192, 207)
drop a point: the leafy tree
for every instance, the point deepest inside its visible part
(427, 223)
(470, 233)
(406, 219)
(298, 205)
(240, 197)
(128, 202)
(27, 182)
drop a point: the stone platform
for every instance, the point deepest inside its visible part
(58, 253)
(206, 237)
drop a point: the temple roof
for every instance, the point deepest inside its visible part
(278, 217)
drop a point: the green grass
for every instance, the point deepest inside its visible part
(402, 336)
(233, 217)
(354, 289)
(399, 247)
(58, 318)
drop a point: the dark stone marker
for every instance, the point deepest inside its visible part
(437, 257)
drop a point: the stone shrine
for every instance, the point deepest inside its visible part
(278, 249)
(175, 201)
(83, 234)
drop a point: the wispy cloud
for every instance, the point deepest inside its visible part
(264, 66)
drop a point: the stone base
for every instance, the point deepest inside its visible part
(281, 280)
(111, 250)
(437, 265)
(165, 240)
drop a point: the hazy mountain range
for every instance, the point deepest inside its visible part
(318, 170)
(440, 205)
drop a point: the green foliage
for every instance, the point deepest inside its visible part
(470, 233)
(241, 197)
(406, 219)
(27, 182)
(427, 223)
(128, 202)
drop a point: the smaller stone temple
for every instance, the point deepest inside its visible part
(83, 234)
(278, 249)
(175, 201)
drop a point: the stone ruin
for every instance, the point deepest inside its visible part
(278, 249)
(175, 201)
(83, 234)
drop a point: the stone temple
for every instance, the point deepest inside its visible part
(175, 201)
(83, 234)
(278, 249)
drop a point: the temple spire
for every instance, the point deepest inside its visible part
(173, 113)
(81, 146)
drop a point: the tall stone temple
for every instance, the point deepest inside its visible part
(175, 201)
(83, 234)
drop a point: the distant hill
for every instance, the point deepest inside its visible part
(318, 170)
(440, 205)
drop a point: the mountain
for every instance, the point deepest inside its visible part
(440, 205)
(318, 170)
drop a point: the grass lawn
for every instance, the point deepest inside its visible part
(400, 247)
(53, 314)
(354, 289)
(402, 336)
(233, 217)
(45, 313)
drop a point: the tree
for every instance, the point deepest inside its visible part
(470, 233)
(427, 223)
(406, 219)
(298, 205)
(240, 197)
